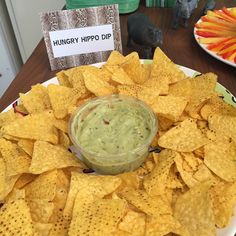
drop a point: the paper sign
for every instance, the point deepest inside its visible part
(81, 36)
(82, 40)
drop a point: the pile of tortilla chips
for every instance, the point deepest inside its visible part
(187, 189)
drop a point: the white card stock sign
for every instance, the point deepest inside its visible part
(82, 40)
(81, 36)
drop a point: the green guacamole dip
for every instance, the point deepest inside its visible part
(113, 128)
(112, 134)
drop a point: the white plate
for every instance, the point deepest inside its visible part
(204, 47)
(230, 230)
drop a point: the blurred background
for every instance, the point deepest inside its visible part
(20, 32)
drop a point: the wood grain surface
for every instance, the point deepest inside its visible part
(179, 45)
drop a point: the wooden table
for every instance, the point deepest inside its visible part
(179, 45)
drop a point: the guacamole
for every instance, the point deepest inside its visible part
(113, 128)
(112, 134)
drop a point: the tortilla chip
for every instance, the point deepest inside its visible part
(164, 68)
(26, 145)
(76, 203)
(110, 68)
(79, 90)
(99, 186)
(121, 77)
(16, 160)
(15, 218)
(133, 67)
(203, 173)
(133, 223)
(61, 226)
(164, 123)
(148, 165)
(101, 217)
(115, 58)
(76, 77)
(203, 88)
(217, 105)
(8, 184)
(60, 98)
(8, 116)
(2, 179)
(15, 194)
(169, 107)
(119, 232)
(148, 95)
(40, 209)
(70, 71)
(43, 187)
(95, 84)
(106, 74)
(63, 79)
(186, 166)
(129, 90)
(163, 225)
(192, 161)
(47, 157)
(194, 211)
(203, 83)
(219, 160)
(69, 170)
(223, 124)
(141, 171)
(62, 125)
(60, 198)
(151, 205)
(181, 88)
(36, 100)
(173, 181)
(10, 138)
(41, 229)
(187, 176)
(37, 126)
(64, 140)
(223, 196)
(160, 85)
(155, 182)
(24, 179)
(129, 179)
(185, 137)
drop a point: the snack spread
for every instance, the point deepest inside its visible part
(188, 188)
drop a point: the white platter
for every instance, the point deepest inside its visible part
(230, 230)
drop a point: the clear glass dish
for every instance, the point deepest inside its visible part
(112, 134)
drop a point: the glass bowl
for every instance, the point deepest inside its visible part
(112, 134)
